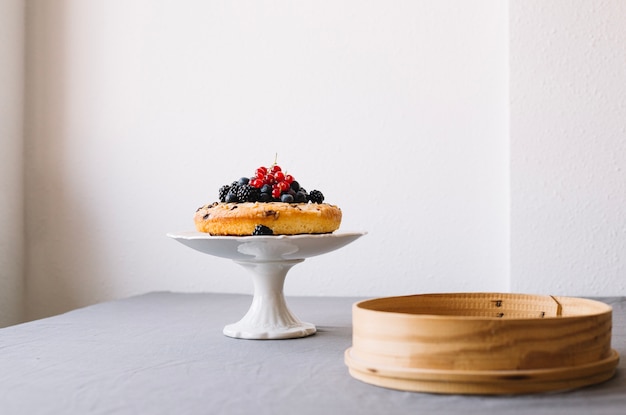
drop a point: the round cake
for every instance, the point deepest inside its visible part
(272, 218)
(268, 203)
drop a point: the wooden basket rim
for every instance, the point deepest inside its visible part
(477, 299)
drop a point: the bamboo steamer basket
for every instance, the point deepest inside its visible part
(481, 343)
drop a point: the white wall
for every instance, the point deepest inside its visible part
(11, 161)
(568, 147)
(138, 111)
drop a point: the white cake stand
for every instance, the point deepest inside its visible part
(268, 258)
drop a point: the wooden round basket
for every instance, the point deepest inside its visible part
(481, 343)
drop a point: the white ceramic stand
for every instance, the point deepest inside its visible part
(268, 316)
(268, 259)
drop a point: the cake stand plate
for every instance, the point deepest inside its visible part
(268, 258)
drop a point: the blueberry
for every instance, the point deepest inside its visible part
(300, 197)
(295, 186)
(286, 198)
(265, 197)
(244, 180)
(266, 189)
(231, 198)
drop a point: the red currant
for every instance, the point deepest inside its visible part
(276, 193)
(279, 176)
(256, 182)
(289, 178)
(269, 179)
(260, 172)
(283, 186)
(275, 168)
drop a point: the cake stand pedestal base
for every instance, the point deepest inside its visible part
(268, 316)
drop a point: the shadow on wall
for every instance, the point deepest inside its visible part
(11, 186)
(57, 221)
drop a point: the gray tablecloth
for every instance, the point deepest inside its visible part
(164, 353)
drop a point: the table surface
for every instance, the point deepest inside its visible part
(164, 353)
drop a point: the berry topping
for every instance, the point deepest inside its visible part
(268, 184)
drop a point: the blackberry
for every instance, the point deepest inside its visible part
(262, 230)
(247, 193)
(223, 192)
(234, 190)
(316, 196)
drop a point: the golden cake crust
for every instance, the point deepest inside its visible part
(239, 219)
